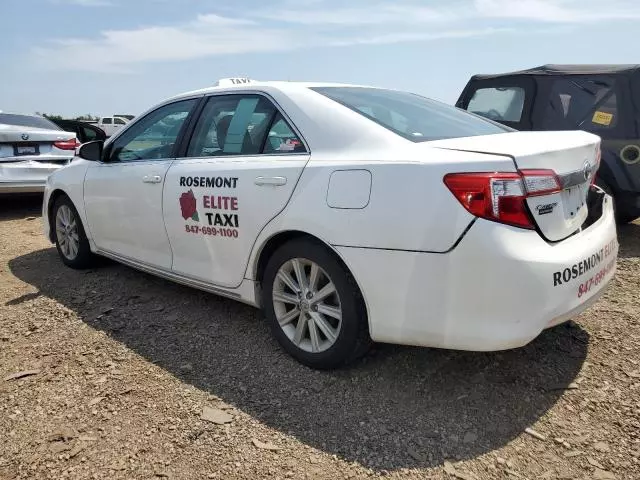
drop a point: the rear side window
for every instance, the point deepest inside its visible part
(502, 104)
(106, 121)
(411, 116)
(241, 125)
(580, 103)
(281, 138)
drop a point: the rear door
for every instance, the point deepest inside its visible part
(239, 171)
(507, 100)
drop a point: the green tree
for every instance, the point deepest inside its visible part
(87, 116)
(50, 116)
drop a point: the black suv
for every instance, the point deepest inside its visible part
(601, 99)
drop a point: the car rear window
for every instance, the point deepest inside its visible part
(411, 116)
(502, 104)
(27, 121)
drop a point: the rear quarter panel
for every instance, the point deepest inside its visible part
(409, 207)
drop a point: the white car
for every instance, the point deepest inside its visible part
(371, 214)
(31, 148)
(111, 125)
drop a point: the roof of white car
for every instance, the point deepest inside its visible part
(231, 84)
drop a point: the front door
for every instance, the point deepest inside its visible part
(123, 194)
(241, 167)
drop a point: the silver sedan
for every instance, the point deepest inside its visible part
(31, 148)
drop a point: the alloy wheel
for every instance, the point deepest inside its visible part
(307, 305)
(67, 232)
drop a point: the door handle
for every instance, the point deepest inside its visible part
(152, 179)
(275, 181)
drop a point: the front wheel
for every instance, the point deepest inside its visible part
(69, 236)
(313, 306)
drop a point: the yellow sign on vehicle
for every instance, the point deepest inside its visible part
(602, 118)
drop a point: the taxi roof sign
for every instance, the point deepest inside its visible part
(227, 82)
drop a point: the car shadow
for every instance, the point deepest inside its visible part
(15, 207)
(398, 407)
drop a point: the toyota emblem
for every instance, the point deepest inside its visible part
(586, 170)
(25, 136)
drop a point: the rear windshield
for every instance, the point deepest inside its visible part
(411, 116)
(27, 121)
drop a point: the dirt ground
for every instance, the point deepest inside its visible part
(120, 366)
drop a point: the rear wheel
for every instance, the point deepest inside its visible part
(69, 236)
(313, 306)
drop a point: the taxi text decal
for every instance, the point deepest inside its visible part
(218, 209)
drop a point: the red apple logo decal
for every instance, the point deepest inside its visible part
(188, 206)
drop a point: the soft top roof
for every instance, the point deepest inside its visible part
(617, 69)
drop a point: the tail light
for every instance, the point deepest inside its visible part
(70, 144)
(501, 197)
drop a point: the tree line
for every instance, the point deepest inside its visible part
(87, 117)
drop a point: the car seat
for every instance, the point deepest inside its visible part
(222, 128)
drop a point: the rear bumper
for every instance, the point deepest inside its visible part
(26, 176)
(498, 289)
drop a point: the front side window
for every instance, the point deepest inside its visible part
(154, 136)
(411, 116)
(118, 121)
(581, 104)
(502, 104)
(241, 125)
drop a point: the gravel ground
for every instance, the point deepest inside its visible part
(129, 376)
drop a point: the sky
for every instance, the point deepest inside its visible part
(101, 57)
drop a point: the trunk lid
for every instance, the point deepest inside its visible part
(19, 143)
(572, 155)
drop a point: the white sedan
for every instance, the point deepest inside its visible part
(348, 214)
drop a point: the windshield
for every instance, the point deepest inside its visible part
(413, 117)
(27, 121)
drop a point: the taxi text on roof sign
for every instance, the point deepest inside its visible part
(226, 82)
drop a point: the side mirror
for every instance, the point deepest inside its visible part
(91, 151)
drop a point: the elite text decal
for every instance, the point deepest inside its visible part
(218, 211)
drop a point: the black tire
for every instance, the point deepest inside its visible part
(353, 339)
(84, 258)
(623, 218)
(622, 215)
